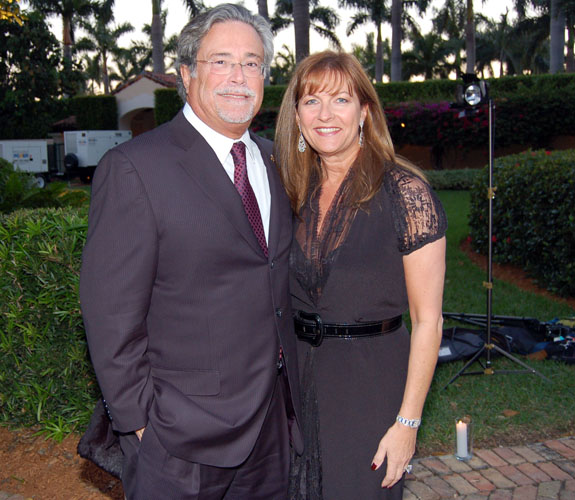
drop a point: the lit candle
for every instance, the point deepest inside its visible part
(461, 429)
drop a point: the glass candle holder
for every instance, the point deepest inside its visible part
(463, 438)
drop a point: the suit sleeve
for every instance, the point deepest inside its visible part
(117, 277)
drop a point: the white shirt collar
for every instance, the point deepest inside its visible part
(221, 144)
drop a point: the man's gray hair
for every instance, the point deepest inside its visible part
(191, 37)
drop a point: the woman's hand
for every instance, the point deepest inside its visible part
(140, 433)
(398, 446)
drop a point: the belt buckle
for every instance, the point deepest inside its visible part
(318, 328)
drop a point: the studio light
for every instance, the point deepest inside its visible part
(473, 92)
(469, 97)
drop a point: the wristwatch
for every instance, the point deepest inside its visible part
(414, 423)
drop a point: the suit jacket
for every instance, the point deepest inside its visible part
(184, 314)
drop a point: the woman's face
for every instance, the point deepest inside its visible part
(329, 120)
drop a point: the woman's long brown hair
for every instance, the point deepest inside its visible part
(330, 71)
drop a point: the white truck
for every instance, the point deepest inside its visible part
(77, 156)
(84, 148)
(36, 156)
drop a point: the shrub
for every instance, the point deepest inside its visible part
(98, 112)
(167, 103)
(46, 376)
(394, 93)
(18, 190)
(273, 95)
(533, 216)
(460, 180)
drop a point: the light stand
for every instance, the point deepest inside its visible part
(473, 94)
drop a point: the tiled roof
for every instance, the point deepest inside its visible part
(169, 81)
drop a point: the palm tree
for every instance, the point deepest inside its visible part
(400, 19)
(193, 7)
(555, 13)
(557, 35)
(495, 43)
(283, 67)
(457, 21)
(71, 11)
(531, 41)
(263, 9)
(92, 72)
(102, 38)
(428, 56)
(157, 37)
(129, 63)
(470, 38)
(366, 54)
(301, 22)
(396, 37)
(144, 50)
(369, 11)
(323, 20)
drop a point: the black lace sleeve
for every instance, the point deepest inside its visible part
(418, 215)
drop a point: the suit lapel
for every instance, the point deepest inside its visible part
(202, 165)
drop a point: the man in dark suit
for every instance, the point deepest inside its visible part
(184, 284)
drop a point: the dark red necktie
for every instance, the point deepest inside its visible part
(249, 200)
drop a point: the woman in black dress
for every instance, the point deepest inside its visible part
(368, 244)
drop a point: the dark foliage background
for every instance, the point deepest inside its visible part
(533, 216)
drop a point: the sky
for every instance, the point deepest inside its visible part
(125, 11)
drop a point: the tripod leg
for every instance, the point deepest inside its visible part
(519, 362)
(467, 365)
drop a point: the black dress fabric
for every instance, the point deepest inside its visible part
(351, 271)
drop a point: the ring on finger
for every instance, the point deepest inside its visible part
(408, 468)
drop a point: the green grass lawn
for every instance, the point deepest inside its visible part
(506, 408)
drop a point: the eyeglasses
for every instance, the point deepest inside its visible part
(225, 67)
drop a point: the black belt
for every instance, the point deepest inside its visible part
(311, 328)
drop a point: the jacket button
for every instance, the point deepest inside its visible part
(273, 264)
(278, 312)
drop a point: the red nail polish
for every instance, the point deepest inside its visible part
(373, 466)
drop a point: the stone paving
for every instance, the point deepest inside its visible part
(542, 471)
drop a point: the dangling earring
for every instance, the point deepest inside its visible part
(301, 142)
(360, 134)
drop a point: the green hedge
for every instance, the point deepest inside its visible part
(18, 190)
(167, 103)
(444, 90)
(456, 179)
(529, 111)
(533, 216)
(46, 377)
(98, 112)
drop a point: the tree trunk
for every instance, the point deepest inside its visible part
(67, 39)
(570, 42)
(396, 35)
(301, 28)
(264, 12)
(105, 77)
(470, 39)
(557, 32)
(379, 56)
(263, 9)
(157, 38)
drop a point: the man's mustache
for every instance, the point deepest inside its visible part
(236, 90)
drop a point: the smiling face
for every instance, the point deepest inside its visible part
(329, 120)
(226, 103)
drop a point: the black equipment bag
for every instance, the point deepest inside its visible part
(459, 343)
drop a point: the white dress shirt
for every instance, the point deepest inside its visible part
(257, 172)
